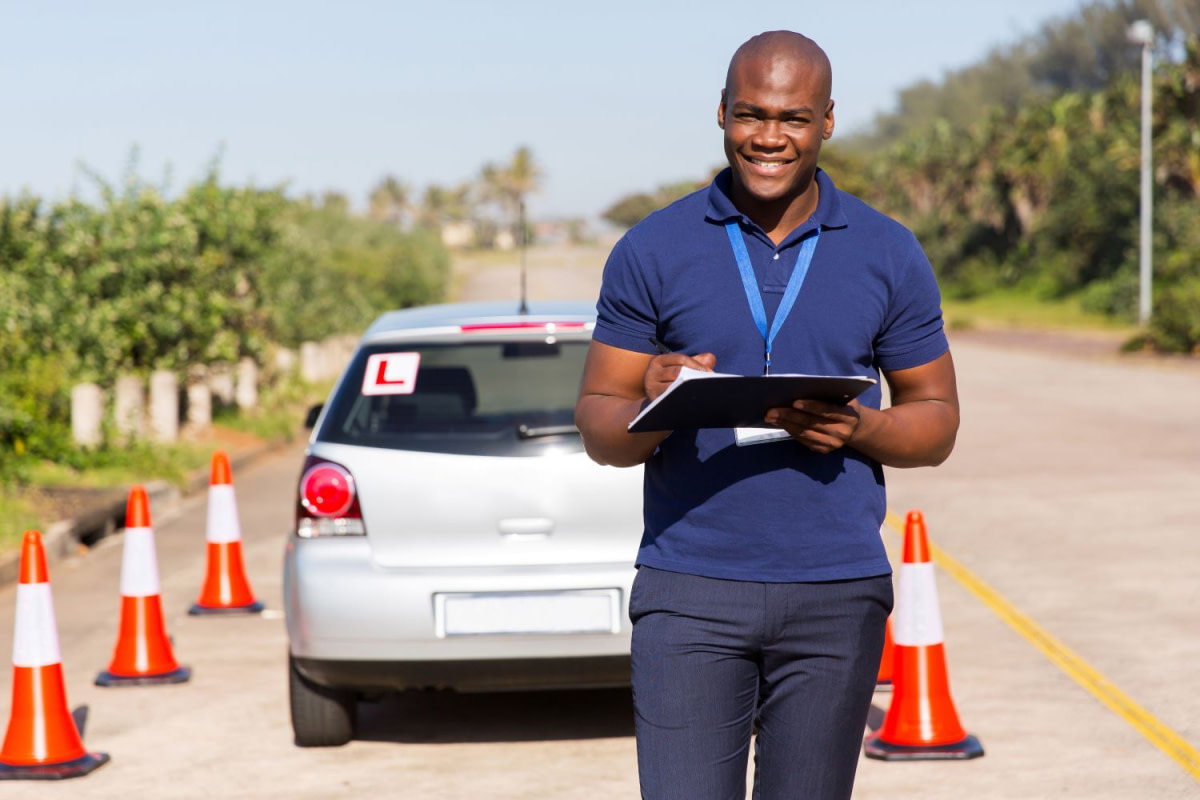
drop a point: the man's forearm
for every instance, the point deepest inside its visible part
(603, 421)
(916, 434)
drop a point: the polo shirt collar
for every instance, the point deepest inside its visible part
(828, 213)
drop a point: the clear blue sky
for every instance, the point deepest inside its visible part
(613, 96)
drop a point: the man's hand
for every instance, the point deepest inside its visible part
(821, 427)
(918, 430)
(662, 370)
(616, 384)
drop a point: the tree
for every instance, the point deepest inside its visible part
(630, 209)
(1084, 51)
(389, 201)
(441, 205)
(508, 185)
(633, 208)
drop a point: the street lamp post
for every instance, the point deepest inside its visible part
(524, 309)
(1142, 32)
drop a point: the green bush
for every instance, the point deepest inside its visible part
(137, 282)
(35, 417)
(1042, 195)
(1175, 324)
(1116, 297)
(1175, 313)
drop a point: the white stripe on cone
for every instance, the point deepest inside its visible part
(35, 635)
(918, 620)
(139, 564)
(222, 526)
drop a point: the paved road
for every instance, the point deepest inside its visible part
(1071, 495)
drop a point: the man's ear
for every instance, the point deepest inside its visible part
(827, 131)
(721, 112)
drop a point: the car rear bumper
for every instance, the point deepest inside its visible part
(481, 675)
(353, 623)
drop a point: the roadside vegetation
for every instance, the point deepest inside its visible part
(1020, 175)
(136, 281)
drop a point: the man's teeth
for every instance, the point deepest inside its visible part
(768, 164)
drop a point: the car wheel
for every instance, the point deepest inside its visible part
(321, 717)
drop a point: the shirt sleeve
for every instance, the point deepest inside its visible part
(913, 332)
(626, 314)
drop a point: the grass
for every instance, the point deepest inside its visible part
(19, 514)
(140, 463)
(1015, 309)
(53, 491)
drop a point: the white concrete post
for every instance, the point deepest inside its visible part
(220, 382)
(247, 384)
(199, 400)
(164, 406)
(285, 360)
(87, 412)
(129, 407)
(310, 362)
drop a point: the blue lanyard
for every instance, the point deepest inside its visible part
(750, 284)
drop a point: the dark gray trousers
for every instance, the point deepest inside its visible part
(714, 659)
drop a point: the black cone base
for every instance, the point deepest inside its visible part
(180, 675)
(53, 772)
(956, 751)
(198, 610)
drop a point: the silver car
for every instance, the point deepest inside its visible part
(450, 530)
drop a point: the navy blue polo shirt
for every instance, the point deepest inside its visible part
(774, 512)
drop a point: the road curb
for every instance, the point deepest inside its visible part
(76, 535)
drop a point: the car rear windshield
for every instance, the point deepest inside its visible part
(491, 398)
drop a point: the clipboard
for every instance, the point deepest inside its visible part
(698, 399)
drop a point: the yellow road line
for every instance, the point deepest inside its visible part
(1142, 720)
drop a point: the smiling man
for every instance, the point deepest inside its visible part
(763, 587)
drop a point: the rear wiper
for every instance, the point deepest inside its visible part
(534, 432)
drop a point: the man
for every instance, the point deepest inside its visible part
(763, 587)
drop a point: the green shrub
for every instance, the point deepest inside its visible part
(1116, 297)
(137, 282)
(1175, 322)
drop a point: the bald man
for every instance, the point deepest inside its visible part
(763, 587)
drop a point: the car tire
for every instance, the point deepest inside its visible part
(321, 717)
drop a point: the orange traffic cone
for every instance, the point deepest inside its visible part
(921, 722)
(887, 663)
(143, 652)
(225, 590)
(42, 742)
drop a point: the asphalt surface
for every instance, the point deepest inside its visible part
(1070, 496)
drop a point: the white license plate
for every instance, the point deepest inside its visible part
(583, 611)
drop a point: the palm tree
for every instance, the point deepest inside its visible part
(523, 175)
(508, 185)
(389, 200)
(441, 205)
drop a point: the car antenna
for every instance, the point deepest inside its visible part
(524, 308)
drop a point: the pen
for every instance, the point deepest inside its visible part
(659, 346)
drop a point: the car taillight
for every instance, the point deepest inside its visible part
(328, 503)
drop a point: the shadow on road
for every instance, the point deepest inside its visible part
(449, 717)
(80, 715)
(875, 717)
